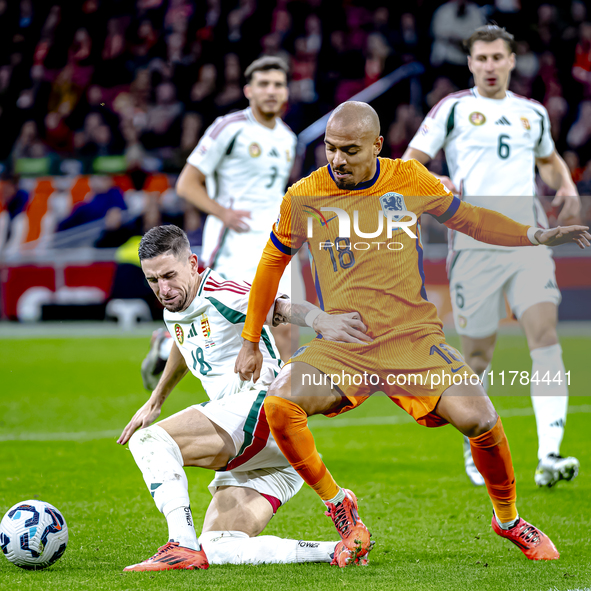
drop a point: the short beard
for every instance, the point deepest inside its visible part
(345, 186)
(270, 114)
(178, 308)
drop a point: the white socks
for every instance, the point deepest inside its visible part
(235, 547)
(159, 458)
(550, 401)
(509, 524)
(338, 499)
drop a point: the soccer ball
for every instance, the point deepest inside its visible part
(33, 535)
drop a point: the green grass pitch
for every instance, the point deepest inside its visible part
(66, 399)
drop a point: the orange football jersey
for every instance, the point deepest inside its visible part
(378, 274)
(366, 244)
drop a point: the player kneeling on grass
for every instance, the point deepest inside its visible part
(228, 433)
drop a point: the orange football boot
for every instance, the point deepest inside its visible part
(535, 544)
(352, 530)
(171, 556)
(343, 557)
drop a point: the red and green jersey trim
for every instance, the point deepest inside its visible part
(256, 434)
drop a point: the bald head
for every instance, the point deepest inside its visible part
(353, 142)
(357, 117)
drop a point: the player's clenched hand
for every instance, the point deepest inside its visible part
(571, 206)
(144, 417)
(234, 219)
(565, 234)
(249, 362)
(344, 328)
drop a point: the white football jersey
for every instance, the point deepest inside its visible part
(490, 146)
(208, 333)
(249, 163)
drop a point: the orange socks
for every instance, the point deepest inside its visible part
(289, 426)
(492, 457)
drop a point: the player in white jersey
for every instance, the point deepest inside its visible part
(237, 175)
(493, 139)
(229, 433)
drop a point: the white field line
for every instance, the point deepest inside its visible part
(315, 422)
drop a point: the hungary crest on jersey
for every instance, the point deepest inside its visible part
(205, 328)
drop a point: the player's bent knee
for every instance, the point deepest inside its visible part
(306, 387)
(138, 439)
(481, 424)
(281, 385)
(543, 338)
(280, 412)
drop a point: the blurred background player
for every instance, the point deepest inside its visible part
(229, 433)
(237, 175)
(493, 139)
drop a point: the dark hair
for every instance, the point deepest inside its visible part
(162, 240)
(488, 34)
(264, 64)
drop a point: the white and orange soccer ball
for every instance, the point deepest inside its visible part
(33, 535)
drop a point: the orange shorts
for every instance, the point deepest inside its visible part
(412, 370)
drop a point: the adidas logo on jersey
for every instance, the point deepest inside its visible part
(192, 332)
(274, 153)
(502, 121)
(551, 285)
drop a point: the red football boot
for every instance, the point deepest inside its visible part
(171, 556)
(353, 532)
(535, 544)
(343, 557)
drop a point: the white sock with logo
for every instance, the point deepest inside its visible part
(161, 462)
(550, 400)
(180, 526)
(235, 547)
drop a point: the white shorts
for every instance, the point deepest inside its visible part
(237, 255)
(481, 278)
(258, 462)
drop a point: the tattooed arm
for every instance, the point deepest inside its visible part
(347, 328)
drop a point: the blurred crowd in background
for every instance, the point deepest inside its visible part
(136, 82)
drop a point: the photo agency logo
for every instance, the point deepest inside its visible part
(393, 211)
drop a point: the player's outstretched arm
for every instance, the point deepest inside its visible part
(492, 227)
(495, 228)
(564, 235)
(174, 371)
(344, 328)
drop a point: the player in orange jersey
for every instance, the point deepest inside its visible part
(360, 216)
